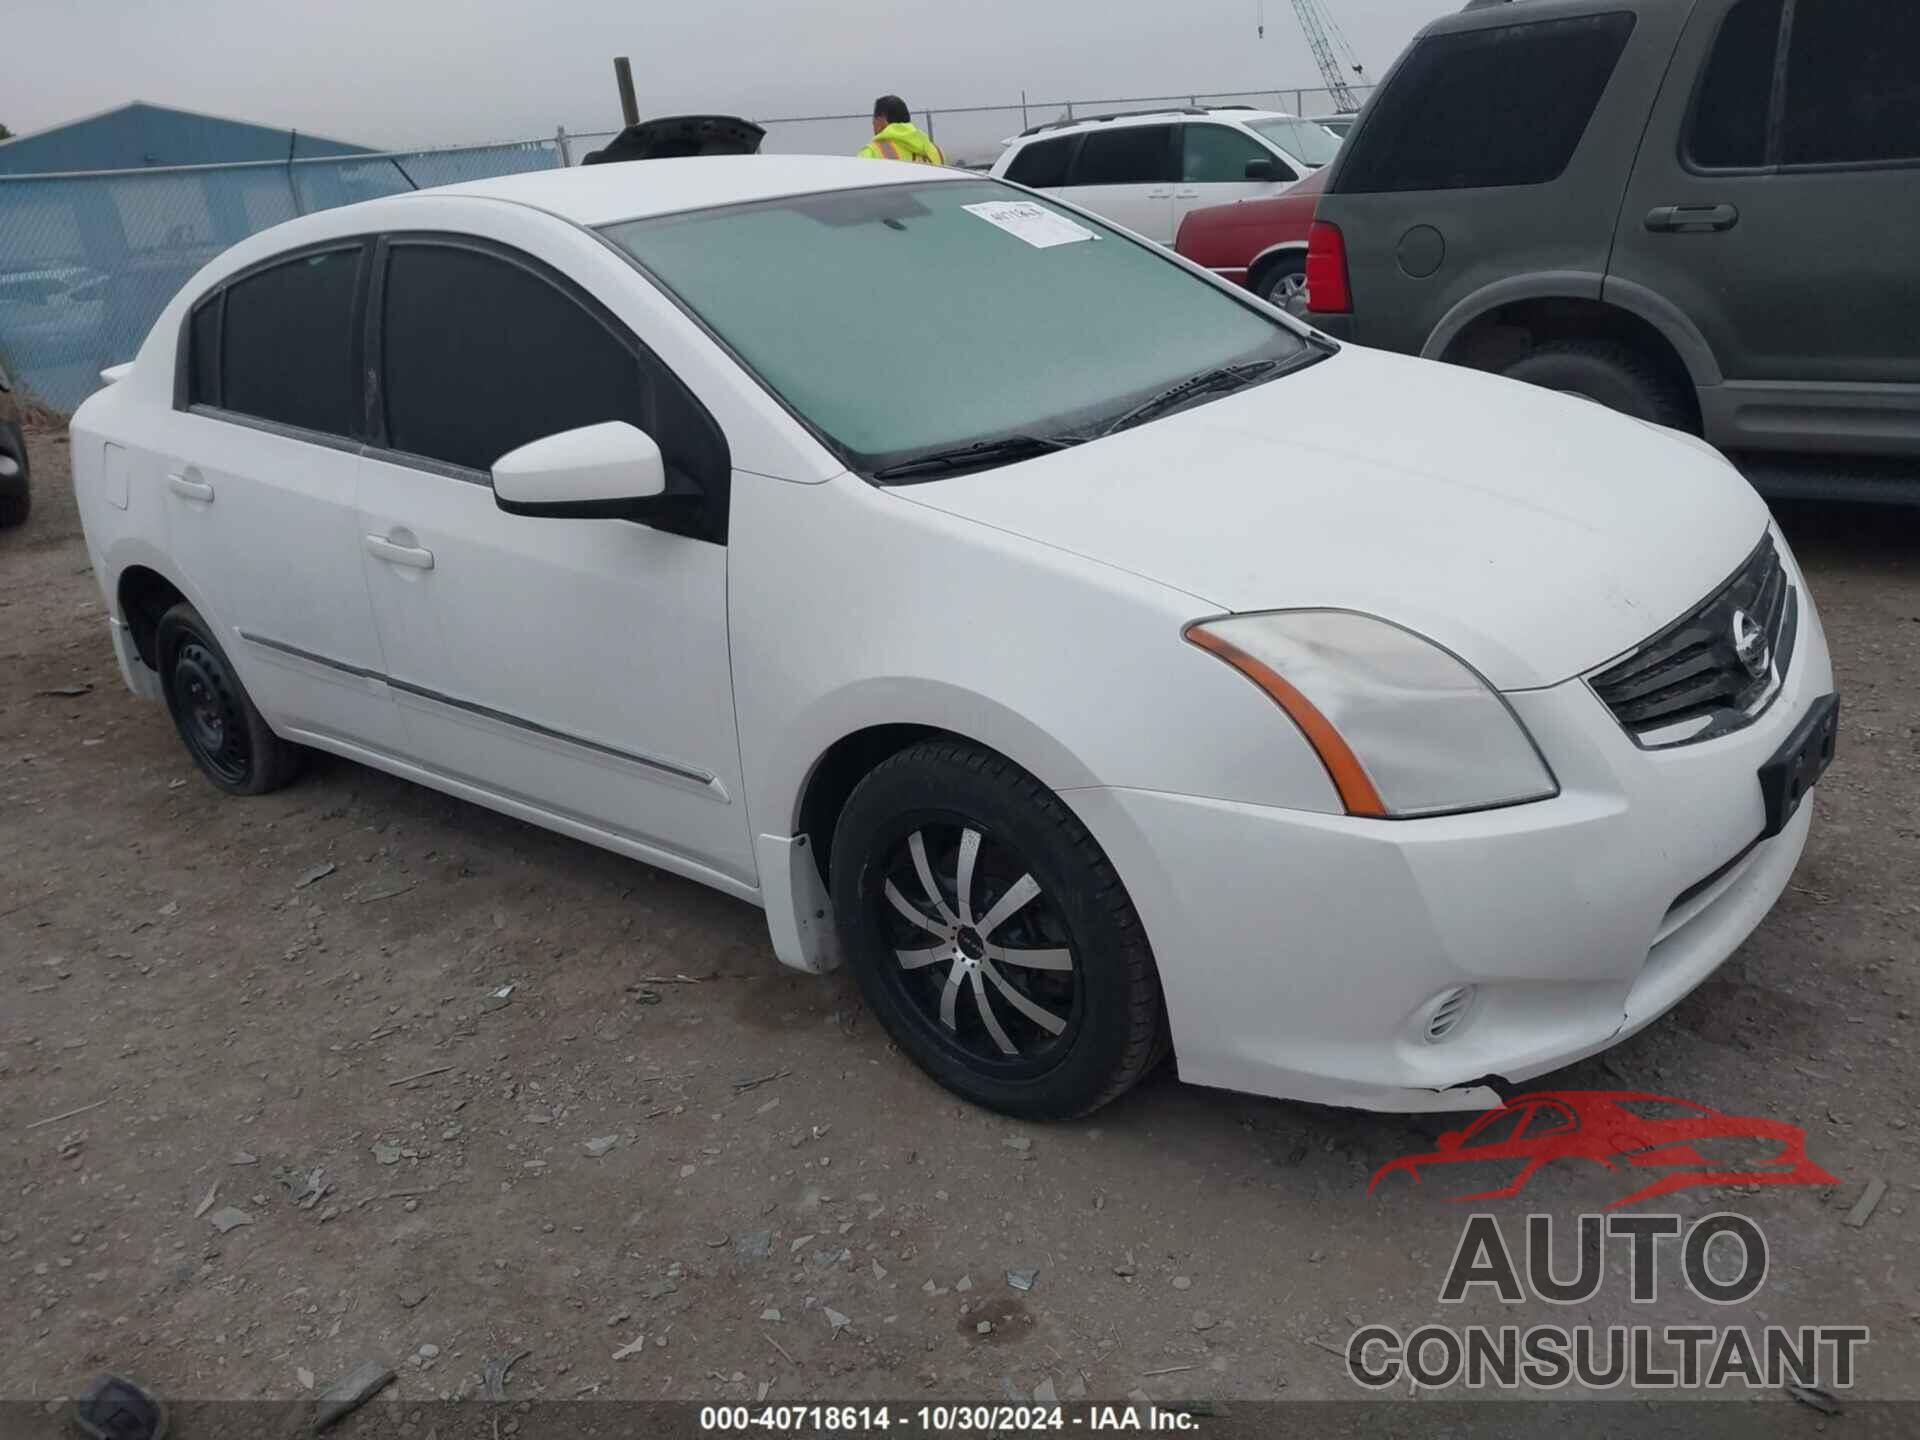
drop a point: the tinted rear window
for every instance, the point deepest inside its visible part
(1853, 83)
(1505, 106)
(286, 353)
(1126, 155)
(1043, 164)
(203, 369)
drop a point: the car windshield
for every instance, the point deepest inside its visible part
(905, 321)
(1307, 141)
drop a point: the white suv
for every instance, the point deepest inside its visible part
(1146, 169)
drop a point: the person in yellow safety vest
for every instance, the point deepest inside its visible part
(895, 137)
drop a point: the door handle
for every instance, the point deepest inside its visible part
(1160, 192)
(1186, 193)
(1680, 219)
(192, 489)
(413, 556)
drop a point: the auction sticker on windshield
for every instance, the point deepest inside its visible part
(1038, 226)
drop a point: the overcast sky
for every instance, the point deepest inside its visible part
(402, 73)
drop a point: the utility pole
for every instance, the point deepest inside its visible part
(623, 77)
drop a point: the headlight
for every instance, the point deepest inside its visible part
(1403, 727)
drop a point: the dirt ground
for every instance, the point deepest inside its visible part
(625, 1120)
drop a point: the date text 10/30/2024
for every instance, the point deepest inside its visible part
(941, 1419)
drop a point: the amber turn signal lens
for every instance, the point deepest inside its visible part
(1349, 776)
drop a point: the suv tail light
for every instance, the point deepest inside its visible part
(1327, 289)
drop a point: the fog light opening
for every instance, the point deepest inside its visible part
(1446, 1011)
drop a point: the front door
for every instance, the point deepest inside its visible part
(260, 494)
(1213, 169)
(577, 667)
(1774, 205)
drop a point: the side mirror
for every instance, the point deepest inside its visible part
(1264, 170)
(1450, 1140)
(598, 472)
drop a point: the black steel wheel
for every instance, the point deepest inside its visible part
(991, 935)
(209, 714)
(218, 723)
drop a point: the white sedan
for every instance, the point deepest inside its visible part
(1096, 661)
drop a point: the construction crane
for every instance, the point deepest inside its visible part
(1331, 51)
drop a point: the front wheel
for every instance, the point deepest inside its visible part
(991, 935)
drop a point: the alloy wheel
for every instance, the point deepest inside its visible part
(1286, 287)
(981, 954)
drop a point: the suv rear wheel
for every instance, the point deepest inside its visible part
(1610, 372)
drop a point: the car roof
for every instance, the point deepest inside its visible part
(1476, 14)
(636, 189)
(1179, 114)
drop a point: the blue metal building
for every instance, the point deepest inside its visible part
(139, 135)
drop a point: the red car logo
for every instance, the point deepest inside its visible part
(1687, 1143)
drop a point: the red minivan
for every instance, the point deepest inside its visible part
(1261, 244)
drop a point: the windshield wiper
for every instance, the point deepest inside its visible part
(1224, 377)
(1004, 450)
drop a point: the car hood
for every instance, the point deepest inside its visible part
(1532, 533)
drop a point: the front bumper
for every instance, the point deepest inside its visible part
(1302, 955)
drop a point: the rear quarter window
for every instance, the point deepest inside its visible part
(1728, 127)
(1484, 108)
(286, 346)
(1042, 164)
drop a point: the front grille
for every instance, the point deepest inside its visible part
(1689, 683)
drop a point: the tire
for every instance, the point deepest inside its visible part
(1088, 1022)
(1610, 372)
(16, 496)
(1283, 279)
(218, 723)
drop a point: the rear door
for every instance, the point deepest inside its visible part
(1126, 173)
(259, 479)
(1213, 168)
(1775, 204)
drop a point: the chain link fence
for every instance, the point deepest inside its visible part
(89, 260)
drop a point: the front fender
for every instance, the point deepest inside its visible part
(904, 700)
